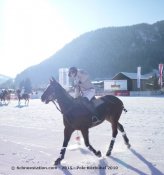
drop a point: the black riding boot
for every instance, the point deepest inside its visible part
(89, 105)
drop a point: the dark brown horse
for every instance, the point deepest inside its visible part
(24, 96)
(77, 117)
(5, 96)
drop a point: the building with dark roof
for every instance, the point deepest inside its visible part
(132, 80)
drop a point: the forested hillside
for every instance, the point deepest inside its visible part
(105, 52)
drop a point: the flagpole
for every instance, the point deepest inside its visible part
(160, 75)
(139, 78)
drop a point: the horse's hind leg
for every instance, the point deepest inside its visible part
(121, 129)
(19, 102)
(67, 135)
(85, 134)
(114, 134)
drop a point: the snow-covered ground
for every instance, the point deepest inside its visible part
(31, 137)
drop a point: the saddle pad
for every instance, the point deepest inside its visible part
(97, 102)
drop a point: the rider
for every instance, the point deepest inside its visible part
(22, 91)
(84, 88)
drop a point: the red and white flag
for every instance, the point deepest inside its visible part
(160, 74)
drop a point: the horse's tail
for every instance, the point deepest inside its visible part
(124, 109)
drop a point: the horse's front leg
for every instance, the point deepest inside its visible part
(67, 135)
(27, 102)
(85, 134)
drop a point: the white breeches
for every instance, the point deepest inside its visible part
(90, 93)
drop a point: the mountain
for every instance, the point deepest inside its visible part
(105, 52)
(3, 78)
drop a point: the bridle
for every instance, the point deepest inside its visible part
(54, 100)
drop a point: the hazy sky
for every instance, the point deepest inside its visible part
(33, 30)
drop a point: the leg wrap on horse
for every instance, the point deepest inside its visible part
(125, 139)
(111, 144)
(62, 153)
(110, 147)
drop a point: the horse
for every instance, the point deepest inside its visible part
(5, 95)
(76, 116)
(24, 96)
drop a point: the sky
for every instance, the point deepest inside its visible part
(33, 30)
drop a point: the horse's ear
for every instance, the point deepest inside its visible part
(50, 80)
(53, 79)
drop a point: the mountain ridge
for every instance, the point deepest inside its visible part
(105, 52)
(4, 78)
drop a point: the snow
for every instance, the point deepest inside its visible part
(31, 137)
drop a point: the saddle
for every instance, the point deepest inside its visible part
(91, 106)
(97, 102)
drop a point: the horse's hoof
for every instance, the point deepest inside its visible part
(108, 153)
(98, 153)
(128, 145)
(57, 162)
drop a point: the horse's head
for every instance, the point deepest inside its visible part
(49, 94)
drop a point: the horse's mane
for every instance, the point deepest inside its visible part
(64, 92)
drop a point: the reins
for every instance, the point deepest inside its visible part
(57, 106)
(63, 113)
(53, 101)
